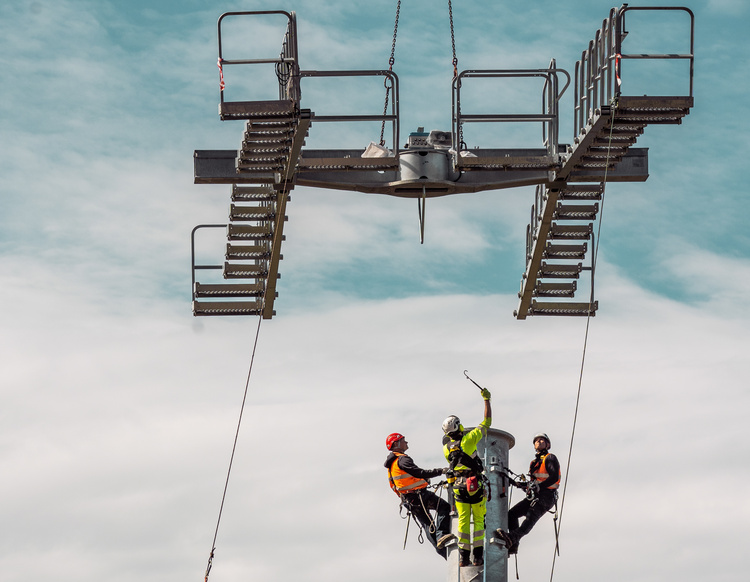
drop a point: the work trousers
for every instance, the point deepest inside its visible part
(468, 512)
(531, 511)
(420, 503)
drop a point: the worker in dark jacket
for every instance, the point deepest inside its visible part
(541, 494)
(410, 483)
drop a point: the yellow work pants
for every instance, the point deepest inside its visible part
(468, 512)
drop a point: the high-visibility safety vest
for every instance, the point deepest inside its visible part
(401, 482)
(541, 474)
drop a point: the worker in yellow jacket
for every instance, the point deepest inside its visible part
(467, 476)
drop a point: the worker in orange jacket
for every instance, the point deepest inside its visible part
(541, 494)
(410, 483)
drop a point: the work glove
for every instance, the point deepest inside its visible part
(486, 394)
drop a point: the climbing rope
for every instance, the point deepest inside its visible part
(234, 448)
(595, 255)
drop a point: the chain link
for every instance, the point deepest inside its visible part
(391, 62)
(453, 40)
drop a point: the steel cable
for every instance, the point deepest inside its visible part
(595, 252)
(234, 448)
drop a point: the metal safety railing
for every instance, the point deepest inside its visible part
(390, 82)
(598, 75)
(201, 267)
(548, 118)
(286, 64)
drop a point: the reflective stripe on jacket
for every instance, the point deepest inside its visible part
(401, 481)
(541, 473)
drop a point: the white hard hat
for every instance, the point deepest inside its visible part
(451, 424)
(542, 435)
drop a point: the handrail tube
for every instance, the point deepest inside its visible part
(393, 117)
(288, 56)
(258, 61)
(550, 99)
(192, 253)
(598, 71)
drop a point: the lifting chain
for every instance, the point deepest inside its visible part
(391, 62)
(461, 143)
(453, 40)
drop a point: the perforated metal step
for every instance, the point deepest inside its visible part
(253, 194)
(563, 308)
(560, 271)
(555, 289)
(248, 232)
(561, 251)
(248, 252)
(575, 211)
(229, 290)
(571, 231)
(251, 213)
(260, 110)
(227, 308)
(244, 271)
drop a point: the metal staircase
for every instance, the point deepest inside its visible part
(609, 125)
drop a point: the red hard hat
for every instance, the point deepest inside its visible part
(393, 438)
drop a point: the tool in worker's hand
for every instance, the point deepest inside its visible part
(485, 393)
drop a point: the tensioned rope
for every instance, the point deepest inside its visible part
(234, 448)
(595, 255)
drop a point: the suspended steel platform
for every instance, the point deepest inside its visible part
(570, 178)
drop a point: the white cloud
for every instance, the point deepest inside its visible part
(119, 408)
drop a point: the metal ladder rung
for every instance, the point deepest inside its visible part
(595, 193)
(570, 231)
(266, 164)
(261, 213)
(229, 289)
(227, 308)
(558, 251)
(266, 149)
(562, 308)
(560, 271)
(256, 110)
(267, 129)
(253, 194)
(242, 271)
(575, 211)
(548, 289)
(247, 252)
(247, 232)
(266, 140)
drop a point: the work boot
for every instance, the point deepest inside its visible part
(478, 557)
(443, 540)
(503, 535)
(463, 557)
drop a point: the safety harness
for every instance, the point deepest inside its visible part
(467, 483)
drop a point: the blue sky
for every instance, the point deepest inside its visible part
(119, 407)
